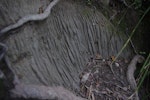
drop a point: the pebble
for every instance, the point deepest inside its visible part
(85, 77)
(117, 64)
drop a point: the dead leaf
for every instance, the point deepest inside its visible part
(113, 58)
(98, 57)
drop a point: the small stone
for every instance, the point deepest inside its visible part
(103, 60)
(85, 77)
(125, 88)
(97, 71)
(117, 64)
(94, 24)
(126, 61)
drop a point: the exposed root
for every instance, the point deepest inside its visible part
(43, 92)
(20, 90)
(130, 74)
(35, 17)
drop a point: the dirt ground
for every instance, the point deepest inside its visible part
(98, 82)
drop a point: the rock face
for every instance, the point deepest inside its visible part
(54, 51)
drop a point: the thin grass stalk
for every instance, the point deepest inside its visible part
(144, 71)
(131, 35)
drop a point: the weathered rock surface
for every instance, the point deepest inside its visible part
(54, 51)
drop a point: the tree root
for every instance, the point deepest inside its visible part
(35, 17)
(42, 92)
(130, 73)
(19, 90)
(45, 92)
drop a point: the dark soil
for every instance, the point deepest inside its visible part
(97, 81)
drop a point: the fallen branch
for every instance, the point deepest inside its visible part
(35, 17)
(43, 92)
(130, 74)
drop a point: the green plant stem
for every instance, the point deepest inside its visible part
(144, 71)
(145, 98)
(132, 33)
(145, 63)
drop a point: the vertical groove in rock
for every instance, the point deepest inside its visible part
(53, 51)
